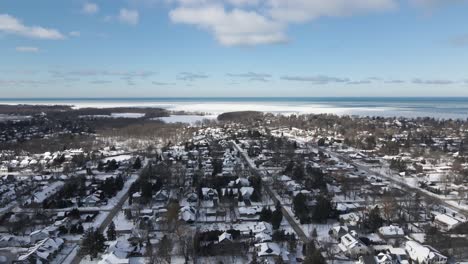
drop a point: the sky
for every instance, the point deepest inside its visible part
(241, 48)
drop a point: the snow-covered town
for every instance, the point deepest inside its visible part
(245, 188)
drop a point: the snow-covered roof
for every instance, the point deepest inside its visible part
(446, 219)
(391, 230)
(268, 249)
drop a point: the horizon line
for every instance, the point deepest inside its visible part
(234, 97)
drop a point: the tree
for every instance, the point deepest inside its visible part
(374, 220)
(92, 243)
(265, 214)
(137, 164)
(164, 249)
(111, 233)
(314, 233)
(389, 207)
(300, 208)
(172, 214)
(277, 217)
(323, 209)
(315, 258)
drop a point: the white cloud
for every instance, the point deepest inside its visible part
(129, 16)
(252, 76)
(11, 25)
(235, 27)
(433, 82)
(74, 34)
(190, 76)
(318, 79)
(27, 49)
(90, 8)
(253, 22)
(307, 10)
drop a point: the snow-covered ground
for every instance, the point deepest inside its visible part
(121, 222)
(117, 158)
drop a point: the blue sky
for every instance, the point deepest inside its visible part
(164, 48)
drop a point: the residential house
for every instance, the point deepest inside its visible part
(391, 231)
(423, 254)
(352, 246)
(445, 222)
(43, 251)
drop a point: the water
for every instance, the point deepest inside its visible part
(445, 107)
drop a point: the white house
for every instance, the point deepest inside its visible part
(38, 235)
(267, 249)
(391, 231)
(352, 246)
(399, 255)
(445, 222)
(224, 237)
(43, 251)
(424, 254)
(3, 170)
(246, 192)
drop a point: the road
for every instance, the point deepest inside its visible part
(394, 180)
(274, 196)
(112, 213)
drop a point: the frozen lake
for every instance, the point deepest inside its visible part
(188, 119)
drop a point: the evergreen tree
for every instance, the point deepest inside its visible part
(300, 208)
(111, 233)
(265, 214)
(92, 243)
(277, 217)
(374, 220)
(323, 209)
(137, 164)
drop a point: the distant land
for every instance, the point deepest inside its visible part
(436, 107)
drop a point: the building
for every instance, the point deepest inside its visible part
(353, 247)
(423, 254)
(391, 231)
(445, 222)
(3, 170)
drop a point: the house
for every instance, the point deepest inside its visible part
(351, 219)
(43, 251)
(11, 241)
(3, 170)
(399, 255)
(161, 196)
(38, 235)
(111, 258)
(262, 227)
(209, 194)
(91, 201)
(262, 237)
(339, 231)
(384, 258)
(423, 254)
(246, 192)
(192, 197)
(188, 214)
(391, 231)
(267, 249)
(224, 237)
(353, 247)
(445, 222)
